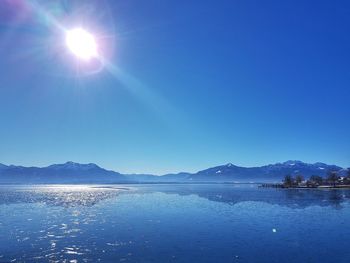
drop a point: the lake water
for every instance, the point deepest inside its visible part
(173, 223)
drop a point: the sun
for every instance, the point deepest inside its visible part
(81, 43)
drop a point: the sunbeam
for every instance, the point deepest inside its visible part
(46, 15)
(140, 91)
(81, 45)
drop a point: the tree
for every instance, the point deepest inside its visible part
(288, 181)
(333, 177)
(299, 179)
(316, 179)
(347, 179)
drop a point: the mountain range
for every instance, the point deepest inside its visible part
(71, 172)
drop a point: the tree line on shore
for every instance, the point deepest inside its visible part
(332, 179)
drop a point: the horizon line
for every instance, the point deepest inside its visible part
(182, 171)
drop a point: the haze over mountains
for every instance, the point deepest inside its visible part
(68, 172)
(71, 172)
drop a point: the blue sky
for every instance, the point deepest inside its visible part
(199, 83)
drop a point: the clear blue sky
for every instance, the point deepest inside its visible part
(203, 83)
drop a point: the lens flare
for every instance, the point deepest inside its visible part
(81, 43)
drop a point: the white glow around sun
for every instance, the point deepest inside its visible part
(81, 43)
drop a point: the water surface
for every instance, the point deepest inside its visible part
(173, 223)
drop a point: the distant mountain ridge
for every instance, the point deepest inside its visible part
(68, 172)
(71, 172)
(271, 172)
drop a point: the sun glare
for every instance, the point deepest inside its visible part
(81, 43)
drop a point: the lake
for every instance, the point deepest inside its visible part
(173, 223)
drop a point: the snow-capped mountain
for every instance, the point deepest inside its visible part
(71, 172)
(74, 166)
(271, 172)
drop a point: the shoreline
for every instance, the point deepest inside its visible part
(305, 187)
